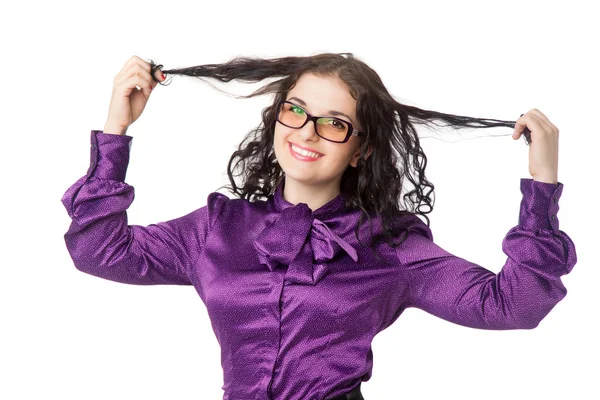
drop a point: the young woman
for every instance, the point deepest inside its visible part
(303, 269)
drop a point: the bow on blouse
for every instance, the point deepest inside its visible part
(302, 242)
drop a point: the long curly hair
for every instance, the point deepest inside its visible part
(375, 185)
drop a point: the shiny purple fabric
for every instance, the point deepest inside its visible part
(294, 300)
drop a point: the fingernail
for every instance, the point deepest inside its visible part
(163, 76)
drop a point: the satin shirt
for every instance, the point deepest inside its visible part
(294, 300)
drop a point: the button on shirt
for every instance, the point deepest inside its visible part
(294, 300)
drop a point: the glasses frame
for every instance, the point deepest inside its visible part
(309, 117)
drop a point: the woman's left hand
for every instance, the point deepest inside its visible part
(543, 149)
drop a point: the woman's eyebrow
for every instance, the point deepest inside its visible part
(332, 112)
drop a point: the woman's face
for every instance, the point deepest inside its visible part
(318, 96)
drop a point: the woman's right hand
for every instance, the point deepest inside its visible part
(127, 102)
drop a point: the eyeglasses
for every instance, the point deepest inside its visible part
(329, 128)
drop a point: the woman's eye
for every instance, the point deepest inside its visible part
(297, 109)
(336, 123)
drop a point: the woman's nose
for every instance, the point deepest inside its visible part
(308, 131)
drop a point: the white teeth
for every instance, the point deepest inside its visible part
(304, 152)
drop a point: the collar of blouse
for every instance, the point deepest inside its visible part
(300, 239)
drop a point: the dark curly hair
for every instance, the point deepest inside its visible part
(375, 185)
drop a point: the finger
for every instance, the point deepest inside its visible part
(143, 80)
(147, 66)
(544, 119)
(140, 70)
(147, 84)
(539, 114)
(131, 67)
(520, 124)
(133, 60)
(158, 74)
(529, 121)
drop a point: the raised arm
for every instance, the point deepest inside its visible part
(520, 295)
(100, 241)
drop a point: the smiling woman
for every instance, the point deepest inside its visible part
(316, 182)
(294, 294)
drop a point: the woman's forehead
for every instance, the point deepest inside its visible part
(320, 94)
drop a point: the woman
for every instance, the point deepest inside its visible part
(294, 293)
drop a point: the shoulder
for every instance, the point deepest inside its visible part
(216, 204)
(222, 208)
(418, 244)
(413, 224)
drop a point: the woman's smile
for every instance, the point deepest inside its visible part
(301, 154)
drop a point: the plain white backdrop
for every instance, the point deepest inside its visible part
(68, 335)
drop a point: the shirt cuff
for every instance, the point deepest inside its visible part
(109, 155)
(539, 205)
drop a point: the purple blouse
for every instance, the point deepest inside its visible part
(294, 300)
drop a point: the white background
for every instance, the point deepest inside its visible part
(69, 335)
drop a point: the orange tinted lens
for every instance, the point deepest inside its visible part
(292, 115)
(332, 128)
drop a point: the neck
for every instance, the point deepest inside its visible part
(315, 196)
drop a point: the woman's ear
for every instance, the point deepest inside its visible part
(356, 156)
(369, 151)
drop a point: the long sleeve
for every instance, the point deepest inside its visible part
(100, 241)
(520, 295)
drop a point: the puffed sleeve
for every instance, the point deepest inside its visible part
(520, 295)
(101, 242)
